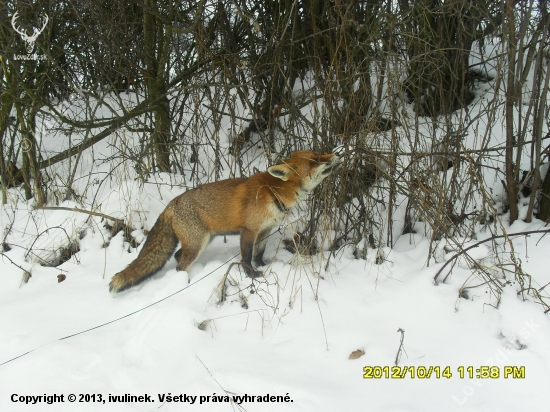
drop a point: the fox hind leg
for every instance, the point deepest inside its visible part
(177, 255)
(187, 255)
(190, 252)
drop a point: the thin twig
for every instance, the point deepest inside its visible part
(13, 263)
(75, 209)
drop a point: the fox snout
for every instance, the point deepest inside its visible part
(336, 160)
(334, 164)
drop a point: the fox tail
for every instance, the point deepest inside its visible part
(158, 248)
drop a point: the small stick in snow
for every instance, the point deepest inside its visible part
(401, 348)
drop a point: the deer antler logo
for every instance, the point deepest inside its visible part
(29, 40)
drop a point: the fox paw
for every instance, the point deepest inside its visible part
(259, 262)
(251, 272)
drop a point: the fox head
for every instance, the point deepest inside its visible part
(306, 168)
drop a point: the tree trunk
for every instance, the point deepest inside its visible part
(5, 110)
(544, 205)
(157, 41)
(511, 180)
(28, 147)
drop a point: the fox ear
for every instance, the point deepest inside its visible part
(280, 172)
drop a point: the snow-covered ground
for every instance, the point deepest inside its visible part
(283, 347)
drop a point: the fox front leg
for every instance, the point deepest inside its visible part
(248, 238)
(259, 248)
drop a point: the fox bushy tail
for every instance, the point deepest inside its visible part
(158, 248)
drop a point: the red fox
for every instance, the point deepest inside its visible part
(251, 207)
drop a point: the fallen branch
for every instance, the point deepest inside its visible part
(80, 147)
(75, 209)
(530, 232)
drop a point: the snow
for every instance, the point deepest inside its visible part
(300, 351)
(292, 337)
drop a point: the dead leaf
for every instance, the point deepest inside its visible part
(356, 354)
(61, 278)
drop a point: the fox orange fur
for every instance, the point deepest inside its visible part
(251, 207)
